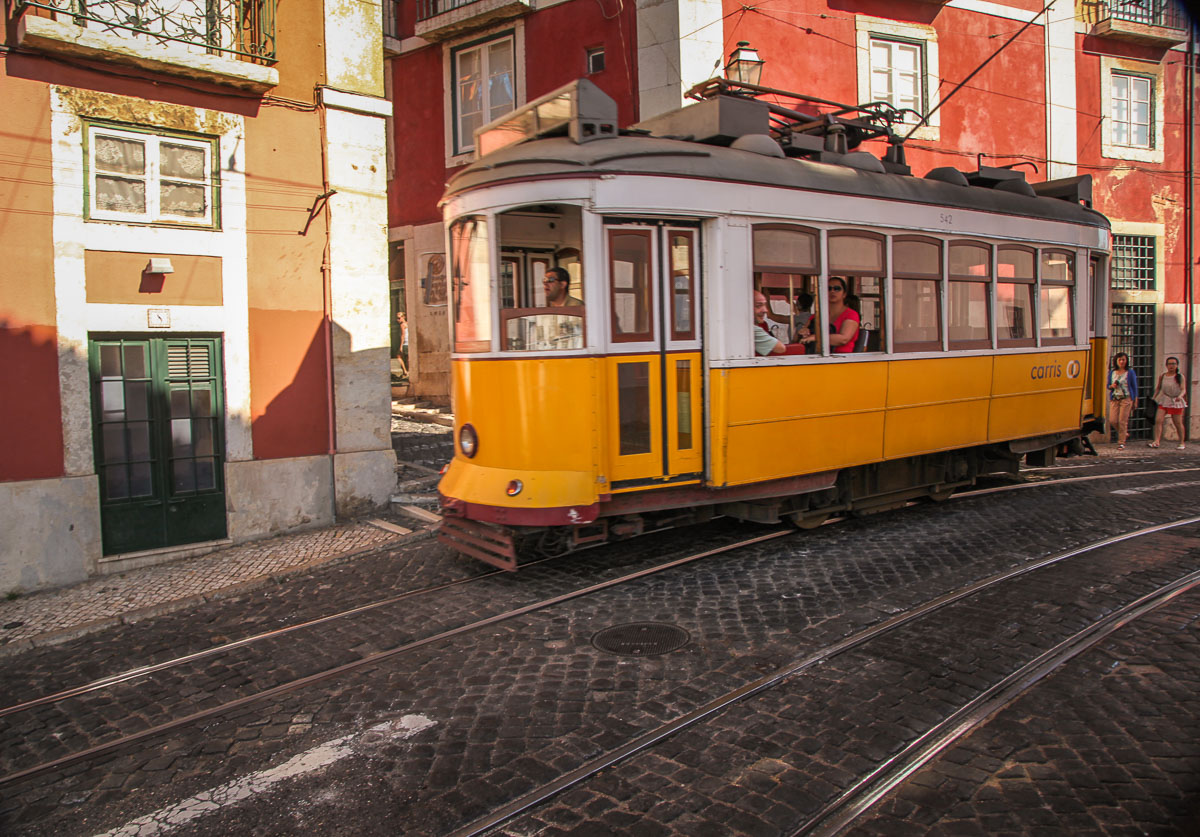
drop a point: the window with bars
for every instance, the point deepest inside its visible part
(1133, 263)
(1133, 334)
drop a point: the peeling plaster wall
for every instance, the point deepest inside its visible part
(58, 539)
(271, 496)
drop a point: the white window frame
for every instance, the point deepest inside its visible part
(152, 140)
(896, 76)
(460, 149)
(924, 38)
(1132, 83)
(1154, 74)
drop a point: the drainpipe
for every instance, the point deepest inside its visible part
(327, 321)
(1189, 210)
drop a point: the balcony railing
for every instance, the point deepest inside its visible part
(1162, 13)
(241, 28)
(430, 8)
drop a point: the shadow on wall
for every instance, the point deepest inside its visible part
(30, 407)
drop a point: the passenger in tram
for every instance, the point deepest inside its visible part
(1122, 395)
(557, 283)
(843, 320)
(765, 342)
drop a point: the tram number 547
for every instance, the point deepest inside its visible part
(946, 218)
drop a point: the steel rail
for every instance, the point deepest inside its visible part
(769, 681)
(871, 788)
(336, 671)
(144, 671)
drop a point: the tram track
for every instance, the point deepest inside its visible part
(223, 648)
(373, 659)
(872, 786)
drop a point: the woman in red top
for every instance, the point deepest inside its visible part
(843, 329)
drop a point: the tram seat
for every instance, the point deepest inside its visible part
(863, 341)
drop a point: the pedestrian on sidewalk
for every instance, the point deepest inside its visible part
(1122, 395)
(1171, 401)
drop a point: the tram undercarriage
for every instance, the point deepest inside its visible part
(807, 502)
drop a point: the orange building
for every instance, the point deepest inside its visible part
(193, 323)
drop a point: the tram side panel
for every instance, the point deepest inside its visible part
(1036, 394)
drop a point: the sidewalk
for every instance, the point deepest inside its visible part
(53, 616)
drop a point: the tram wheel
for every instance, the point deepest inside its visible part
(808, 520)
(940, 495)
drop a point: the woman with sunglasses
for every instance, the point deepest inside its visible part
(843, 320)
(1122, 395)
(1169, 397)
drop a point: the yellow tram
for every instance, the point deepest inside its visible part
(607, 376)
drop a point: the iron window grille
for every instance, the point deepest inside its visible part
(241, 28)
(1162, 13)
(1134, 264)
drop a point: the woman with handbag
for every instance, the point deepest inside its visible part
(1122, 395)
(1169, 395)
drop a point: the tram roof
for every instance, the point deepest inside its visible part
(556, 157)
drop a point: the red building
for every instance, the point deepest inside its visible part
(1062, 89)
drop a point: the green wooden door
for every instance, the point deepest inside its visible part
(158, 417)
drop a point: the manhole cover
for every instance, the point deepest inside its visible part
(641, 639)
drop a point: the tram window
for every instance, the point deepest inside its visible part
(629, 275)
(969, 302)
(786, 271)
(472, 303)
(1014, 296)
(532, 241)
(1056, 311)
(859, 257)
(683, 272)
(917, 286)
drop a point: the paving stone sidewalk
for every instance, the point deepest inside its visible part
(45, 618)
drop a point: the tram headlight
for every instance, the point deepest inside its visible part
(468, 441)
(514, 488)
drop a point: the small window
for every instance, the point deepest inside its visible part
(786, 271)
(683, 272)
(1132, 105)
(969, 302)
(144, 177)
(595, 61)
(470, 278)
(859, 258)
(917, 284)
(897, 75)
(1014, 296)
(1055, 310)
(629, 274)
(484, 88)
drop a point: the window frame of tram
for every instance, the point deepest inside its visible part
(159, 439)
(944, 294)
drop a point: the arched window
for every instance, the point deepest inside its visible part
(1056, 309)
(969, 315)
(859, 257)
(916, 292)
(787, 265)
(1015, 284)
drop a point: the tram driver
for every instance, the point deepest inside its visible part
(557, 284)
(765, 342)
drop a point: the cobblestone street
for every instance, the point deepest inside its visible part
(463, 690)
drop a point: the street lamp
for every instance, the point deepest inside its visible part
(744, 67)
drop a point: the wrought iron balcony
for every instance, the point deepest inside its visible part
(441, 19)
(242, 29)
(1159, 22)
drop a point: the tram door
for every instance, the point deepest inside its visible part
(654, 373)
